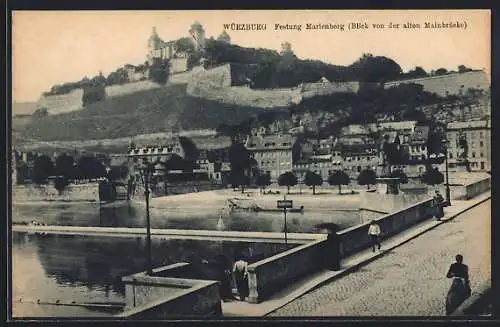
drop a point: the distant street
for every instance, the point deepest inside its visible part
(410, 280)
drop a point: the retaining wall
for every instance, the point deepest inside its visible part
(159, 297)
(269, 275)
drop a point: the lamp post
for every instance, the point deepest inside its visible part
(437, 159)
(448, 201)
(146, 170)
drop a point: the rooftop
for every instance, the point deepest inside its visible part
(277, 141)
(469, 124)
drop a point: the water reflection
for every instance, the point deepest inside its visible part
(125, 215)
(77, 268)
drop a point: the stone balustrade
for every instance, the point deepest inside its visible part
(159, 297)
(269, 275)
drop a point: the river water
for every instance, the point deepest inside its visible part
(66, 268)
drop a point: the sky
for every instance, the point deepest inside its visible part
(54, 47)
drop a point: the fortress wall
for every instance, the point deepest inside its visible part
(451, 83)
(203, 80)
(57, 104)
(178, 65)
(310, 90)
(117, 90)
(245, 96)
(180, 78)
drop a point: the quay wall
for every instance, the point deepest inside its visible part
(74, 192)
(269, 275)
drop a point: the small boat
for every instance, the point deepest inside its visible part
(259, 209)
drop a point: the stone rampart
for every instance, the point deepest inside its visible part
(449, 84)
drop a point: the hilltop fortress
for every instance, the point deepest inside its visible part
(224, 83)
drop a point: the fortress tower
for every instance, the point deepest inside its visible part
(286, 48)
(198, 34)
(154, 44)
(224, 37)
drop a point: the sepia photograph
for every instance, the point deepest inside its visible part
(227, 164)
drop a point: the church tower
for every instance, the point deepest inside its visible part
(198, 34)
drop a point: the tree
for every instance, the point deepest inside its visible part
(263, 180)
(191, 152)
(339, 178)
(239, 159)
(60, 183)
(371, 68)
(417, 72)
(432, 176)
(403, 178)
(463, 69)
(441, 71)
(159, 72)
(22, 172)
(313, 179)
(367, 177)
(287, 179)
(92, 93)
(41, 112)
(118, 77)
(89, 167)
(194, 59)
(238, 178)
(184, 44)
(42, 169)
(64, 165)
(464, 145)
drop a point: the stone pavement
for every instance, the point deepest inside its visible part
(410, 279)
(306, 305)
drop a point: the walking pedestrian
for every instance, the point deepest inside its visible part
(374, 234)
(460, 270)
(240, 271)
(438, 205)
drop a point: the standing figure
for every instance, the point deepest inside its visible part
(439, 204)
(240, 271)
(224, 275)
(332, 255)
(460, 288)
(374, 234)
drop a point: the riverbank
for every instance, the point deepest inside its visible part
(218, 200)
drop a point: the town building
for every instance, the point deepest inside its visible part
(215, 162)
(478, 136)
(355, 158)
(273, 153)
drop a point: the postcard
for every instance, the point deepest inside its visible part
(237, 163)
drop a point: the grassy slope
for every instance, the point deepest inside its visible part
(149, 111)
